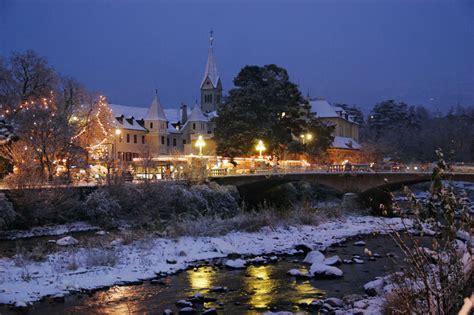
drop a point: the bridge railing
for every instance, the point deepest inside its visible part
(348, 168)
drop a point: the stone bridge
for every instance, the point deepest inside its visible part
(360, 182)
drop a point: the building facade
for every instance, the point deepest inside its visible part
(148, 132)
(345, 146)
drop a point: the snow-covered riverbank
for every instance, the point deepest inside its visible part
(76, 268)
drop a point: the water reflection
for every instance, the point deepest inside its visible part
(305, 292)
(202, 278)
(260, 285)
(118, 300)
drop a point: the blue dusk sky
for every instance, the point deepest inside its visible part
(356, 52)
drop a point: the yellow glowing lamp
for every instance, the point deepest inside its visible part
(200, 143)
(118, 132)
(260, 148)
(309, 137)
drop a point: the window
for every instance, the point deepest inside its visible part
(168, 141)
(151, 125)
(210, 98)
(184, 141)
(163, 140)
(202, 126)
(174, 142)
(128, 138)
(143, 139)
(134, 138)
(194, 126)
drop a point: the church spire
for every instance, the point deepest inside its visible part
(210, 71)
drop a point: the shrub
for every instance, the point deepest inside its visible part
(45, 206)
(100, 257)
(7, 215)
(101, 208)
(434, 279)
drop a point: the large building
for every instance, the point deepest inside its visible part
(153, 131)
(345, 146)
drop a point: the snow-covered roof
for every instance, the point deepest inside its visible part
(323, 109)
(211, 69)
(211, 115)
(130, 115)
(156, 111)
(174, 114)
(345, 143)
(128, 111)
(197, 115)
(130, 124)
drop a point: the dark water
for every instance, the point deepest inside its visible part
(251, 291)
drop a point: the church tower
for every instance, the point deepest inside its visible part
(211, 85)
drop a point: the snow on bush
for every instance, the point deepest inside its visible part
(7, 214)
(102, 208)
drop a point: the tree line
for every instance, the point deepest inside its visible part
(413, 133)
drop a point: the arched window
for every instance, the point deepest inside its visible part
(151, 125)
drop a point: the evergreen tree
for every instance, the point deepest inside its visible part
(354, 111)
(265, 105)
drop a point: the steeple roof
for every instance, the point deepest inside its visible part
(211, 66)
(155, 112)
(197, 115)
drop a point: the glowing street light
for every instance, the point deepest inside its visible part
(260, 148)
(118, 132)
(306, 138)
(200, 143)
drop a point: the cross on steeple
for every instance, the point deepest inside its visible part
(211, 38)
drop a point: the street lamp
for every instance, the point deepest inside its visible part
(306, 138)
(260, 148)
(200, 143)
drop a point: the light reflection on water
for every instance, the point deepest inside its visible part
(260, 285)
(305, 292)
(201, 279)
(119, 300)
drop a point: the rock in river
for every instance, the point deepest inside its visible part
(236, 264)
(324, 271)
(313, 257)
(66, 241)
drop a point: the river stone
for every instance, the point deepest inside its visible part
(167, 312)
(259, 260)
(211, 311)
(374, 287)
(359, 243)
(357, 260)
(360, 304)
(184, 303)
(333, 260)
(315, 305)
(323, 271)
(297, 273)
(236, 264)
(306, 248)
(334, 302)
(219, 289)
(66, 241)
(313, 257)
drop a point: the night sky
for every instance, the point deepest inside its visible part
(356, 52)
